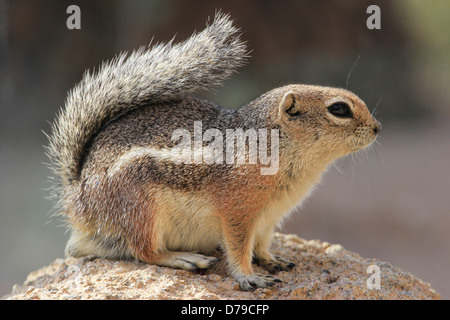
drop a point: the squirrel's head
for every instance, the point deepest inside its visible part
(329, 121)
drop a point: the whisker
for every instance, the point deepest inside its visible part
(376, 151)
(338, 169)
(351, 69)
(378, 102)
(346, 165)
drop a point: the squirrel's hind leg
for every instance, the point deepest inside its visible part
(185, 260)
(97, 245)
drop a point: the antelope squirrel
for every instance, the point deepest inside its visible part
(126, 194)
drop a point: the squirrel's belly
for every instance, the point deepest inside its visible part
(188, 222)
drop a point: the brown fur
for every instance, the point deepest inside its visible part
(130, 200)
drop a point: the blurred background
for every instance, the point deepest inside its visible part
(390, 202)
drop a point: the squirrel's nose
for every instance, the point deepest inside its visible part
(377, 127)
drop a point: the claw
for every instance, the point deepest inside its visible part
(251, 282)
(275, 265)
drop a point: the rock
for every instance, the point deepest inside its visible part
(323, 271)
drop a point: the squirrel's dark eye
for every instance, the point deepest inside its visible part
(341, 110)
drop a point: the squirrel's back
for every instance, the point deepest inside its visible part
(150, 132)
(163, 73)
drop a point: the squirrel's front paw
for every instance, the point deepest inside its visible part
(274, 265)
(251, 282)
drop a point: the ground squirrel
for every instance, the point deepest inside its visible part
(128, 190)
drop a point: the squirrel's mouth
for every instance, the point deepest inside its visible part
(364, 139)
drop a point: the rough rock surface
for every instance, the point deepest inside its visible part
(323, 271)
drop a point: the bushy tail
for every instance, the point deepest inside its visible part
(164, 72)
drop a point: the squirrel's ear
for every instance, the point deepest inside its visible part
(289, 106)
